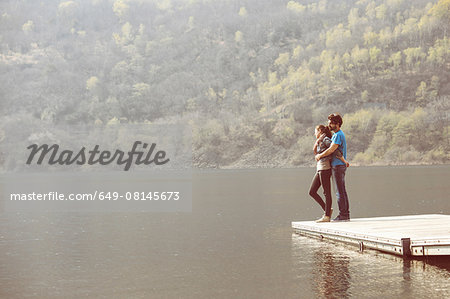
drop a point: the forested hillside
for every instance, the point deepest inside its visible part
(251, 77)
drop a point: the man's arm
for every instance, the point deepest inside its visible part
(328, 151)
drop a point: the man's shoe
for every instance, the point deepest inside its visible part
(323, 219)
(341, 218)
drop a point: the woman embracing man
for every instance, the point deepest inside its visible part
(330, 152)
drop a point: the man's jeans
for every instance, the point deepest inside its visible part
(341, 193)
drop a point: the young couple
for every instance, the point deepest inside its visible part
(331, 152)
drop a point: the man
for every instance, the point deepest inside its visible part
(338, 167)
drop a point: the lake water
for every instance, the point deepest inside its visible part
(237, 242)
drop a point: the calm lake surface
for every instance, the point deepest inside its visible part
(237, 242)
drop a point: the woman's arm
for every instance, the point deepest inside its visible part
(315, 147)
(316, 144)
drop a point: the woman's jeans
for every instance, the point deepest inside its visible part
(341, 193)
(322, 178)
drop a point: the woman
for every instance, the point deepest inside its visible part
(323, 173)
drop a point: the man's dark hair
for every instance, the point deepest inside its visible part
(335, 118)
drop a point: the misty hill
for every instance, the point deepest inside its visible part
(252, 78)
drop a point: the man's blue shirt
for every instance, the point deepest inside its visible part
(339, 139)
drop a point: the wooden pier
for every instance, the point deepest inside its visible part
(416, 235)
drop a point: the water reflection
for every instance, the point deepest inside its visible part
(406, 269)
(336, 270)
(442, 262)
(326, 269)
(330, 274)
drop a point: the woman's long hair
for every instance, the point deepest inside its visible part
(324, 130)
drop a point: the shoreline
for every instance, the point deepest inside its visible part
(232, 167)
